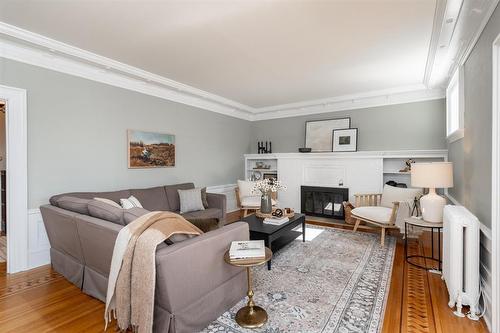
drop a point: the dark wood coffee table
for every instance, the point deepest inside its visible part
(276, 236)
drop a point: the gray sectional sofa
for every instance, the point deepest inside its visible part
(193, 283)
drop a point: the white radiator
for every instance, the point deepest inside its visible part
(461, 259)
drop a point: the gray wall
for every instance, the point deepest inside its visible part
(471, 156)
(473, 152)
(418, 125)
(77, 136)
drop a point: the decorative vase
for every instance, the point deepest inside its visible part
(266, 205)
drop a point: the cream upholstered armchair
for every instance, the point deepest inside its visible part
(384, 210)
(248, 200)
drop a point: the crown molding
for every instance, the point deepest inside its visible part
(24, 46)
(460, 28)
(352, 102)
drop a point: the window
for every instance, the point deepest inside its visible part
(455, 107)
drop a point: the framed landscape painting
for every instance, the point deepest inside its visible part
(150, 150)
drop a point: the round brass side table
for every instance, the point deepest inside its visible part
(251, 315)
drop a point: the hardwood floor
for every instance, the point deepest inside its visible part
(41, 300)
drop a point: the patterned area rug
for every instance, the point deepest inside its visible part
(336, 282)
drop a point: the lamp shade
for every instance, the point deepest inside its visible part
(432, 175)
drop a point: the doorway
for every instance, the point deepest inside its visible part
(3, 193)
(16, 178)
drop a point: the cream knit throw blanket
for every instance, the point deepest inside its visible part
(132, 277)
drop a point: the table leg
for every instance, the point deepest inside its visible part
(251, 316)
(439, 250)
(267, 243)
(304, 229)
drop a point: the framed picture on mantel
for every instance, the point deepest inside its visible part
(319, 133)
(345, 140)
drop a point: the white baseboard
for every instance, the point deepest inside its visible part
(38, 242)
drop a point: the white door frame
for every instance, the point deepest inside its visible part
(17, 177)
(495, 188)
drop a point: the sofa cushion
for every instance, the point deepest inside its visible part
(106, 212)
(113, 195)
(74, 204)
(190, 200)
(373, 213)
(173, 195)
(204, 214)
(131, 214)
(108, 202)
(154, 198)
(392, 194)
(205, 225)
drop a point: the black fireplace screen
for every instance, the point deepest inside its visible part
(323, 201)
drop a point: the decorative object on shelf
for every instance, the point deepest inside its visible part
(396, 184)
(150, 150)
(432, 175)
(319, 133)
(305, 150)
(408, 164)
(259, 165)
(264, 147)
(287, 212)
(256, 175)
(271, 176)
(345, 140)
(265, 187)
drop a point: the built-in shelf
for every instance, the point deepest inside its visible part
(264, 170)
(397, 172)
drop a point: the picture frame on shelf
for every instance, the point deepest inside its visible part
(345, 140)
(319, 133)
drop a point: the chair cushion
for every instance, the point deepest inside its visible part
(374, 213)
(253, 201)
(245, 188)
(392, 194)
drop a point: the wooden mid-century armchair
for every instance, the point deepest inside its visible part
(248, 200)
(382, 209)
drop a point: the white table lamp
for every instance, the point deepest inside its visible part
(432, 175)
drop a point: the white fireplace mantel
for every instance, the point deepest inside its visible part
(360, 172)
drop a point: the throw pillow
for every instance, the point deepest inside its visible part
(131, 202)
(109, 202)
(190, 200)
(392, 194)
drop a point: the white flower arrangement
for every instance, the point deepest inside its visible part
(268, 185)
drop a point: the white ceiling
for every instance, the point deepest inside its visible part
(258, 53)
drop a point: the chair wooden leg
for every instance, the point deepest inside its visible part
(358, 221)
(382, 237)
(245, 212)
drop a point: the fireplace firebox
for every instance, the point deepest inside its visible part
(323, 201)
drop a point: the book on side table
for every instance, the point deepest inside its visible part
(245, 250)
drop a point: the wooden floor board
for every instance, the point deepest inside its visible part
(41, 300)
